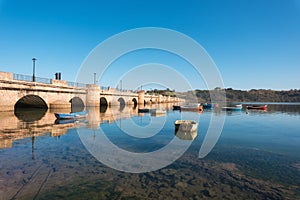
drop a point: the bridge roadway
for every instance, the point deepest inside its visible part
(58, 94)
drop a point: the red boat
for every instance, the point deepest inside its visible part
(257, 107)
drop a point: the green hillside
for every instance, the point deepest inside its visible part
(260, 95)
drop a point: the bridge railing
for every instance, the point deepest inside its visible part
(75, 84)
(21, 77)
(119, 90)
(43, 80)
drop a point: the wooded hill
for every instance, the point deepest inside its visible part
(260, 95)
(253, 95)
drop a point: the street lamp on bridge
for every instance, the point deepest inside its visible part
(33, 70)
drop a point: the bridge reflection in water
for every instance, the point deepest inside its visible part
(35, 122)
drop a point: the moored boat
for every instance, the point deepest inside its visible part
(75, 115)
(184, 135)
(176, 107)
(143, 110)
(186, 125)
(65, 121)
(257, 107)
(238, 107)
(158, 112)
(146, 110)
(197, 108)
(210, 105)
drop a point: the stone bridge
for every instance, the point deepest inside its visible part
(58, 94)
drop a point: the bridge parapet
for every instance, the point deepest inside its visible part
(59, 82)
(6, 76)
(116, 92)
(60, 93)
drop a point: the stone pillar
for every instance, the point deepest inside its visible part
(153, 99)
(159, 98)
(93, 95)
(6, 76)
(168, 99)
(93, 118)
(141, 97)
(171, 99)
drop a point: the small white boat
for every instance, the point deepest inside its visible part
(158, 112)
(183, 135)
(186, 125)
(197, 108)
(238, 107)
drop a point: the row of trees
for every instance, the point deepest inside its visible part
(166, 92)
(260, 95)
(254, 95)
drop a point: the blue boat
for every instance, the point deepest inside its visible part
(74, 115)
(210, 105)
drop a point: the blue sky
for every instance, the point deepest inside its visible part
(254, 43)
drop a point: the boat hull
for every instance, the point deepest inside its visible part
(146, 110)
(158, 113)
(232, 108)
(264, 107)
(210, 106)
(184, 135)
(195, 109)
(186, 125)
(176, 107)
(76, 115)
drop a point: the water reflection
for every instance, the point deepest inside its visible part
(33, 122)
(29, 114)
(103, 108)
(232, 113)
(25, 122)
(46, 163)
(291, 109)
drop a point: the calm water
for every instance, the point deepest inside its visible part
(256, 157)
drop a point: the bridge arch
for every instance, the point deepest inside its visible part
(103, 104)
(122, 103)
(103, 101)
(76, 101)
(31, 101)
(135, 102)
(76, 104)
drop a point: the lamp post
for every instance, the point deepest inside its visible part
(94, 78)
(33, 70)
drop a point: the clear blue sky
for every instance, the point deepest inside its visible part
(254, 43)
